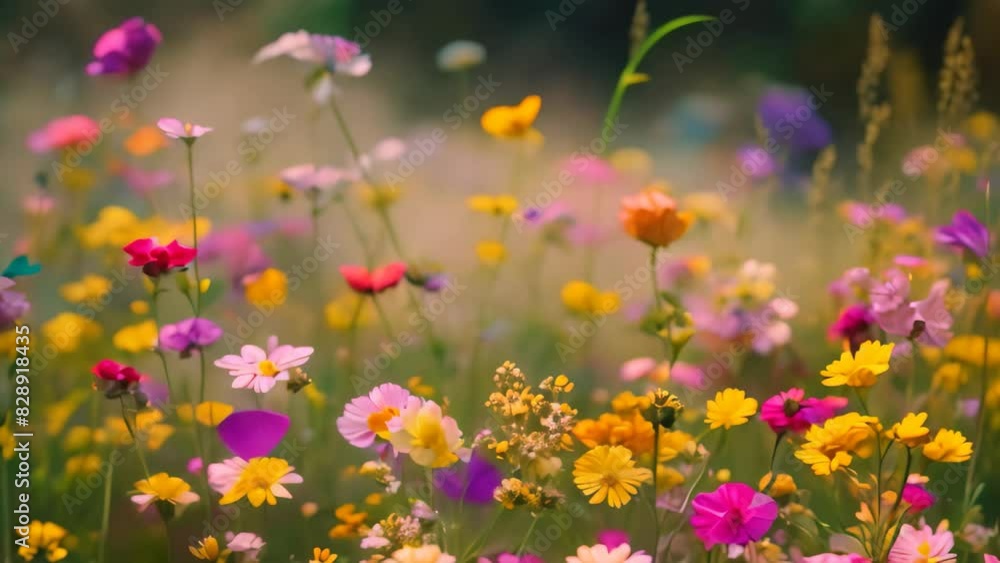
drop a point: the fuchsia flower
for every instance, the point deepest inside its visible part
(110, 370)
(365, 417)
(250, 434)
(176, 129)
(923, 544)
(512, 558)
(790, 410)
(733, 514)
(612, 538)
(854, 325)
(64, 133)
(259, 370)
(835, 558)
(155, 259)
(916, 494)
(125, 49)
(189, 335)
(375, 281)
(965, 233)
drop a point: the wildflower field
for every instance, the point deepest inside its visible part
(260, 303)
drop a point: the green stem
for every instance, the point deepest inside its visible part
(774, 456)
(135, 439)
(384, 318)
(984, 385)
(471, 550)
(688, 497)
(527, 536)
(106, 510)
(194, 228)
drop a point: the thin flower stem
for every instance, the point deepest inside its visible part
(906, 475)
(384, 318)
(774, 456)
(135, 440)
(106, 510)
(984, 385)
(471, 550)
(194, 228)
(688, 497)
(527, 535)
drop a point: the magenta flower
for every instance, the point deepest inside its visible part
(854, 325)
(176, 129)
(250, 434)
(612, 538)
(143, 182)
(966, 233)
(260, 370)
(732, 514)
(110, 370)
(508, 557)
(590, 170)
(790, 410)
(64, 133)
(155, 259)
(189, 335)
(917, 496)
(125, 49)
(836, 558)
(756, 162)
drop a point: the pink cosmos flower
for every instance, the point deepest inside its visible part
(923, 544)
(63, 133)
(259, 370)
(125, 49)
(365, 417)
(176, 129)
(339, 55)
(590, 170)
(601, 554)
(37, 205)
(309, 177)
(835, 558)
(195, 465)
(376, 281)
(156, 259)
(247, 543)
(987, 558)
(637, 368)
(790, 410)
(733, 514)
(223, 475)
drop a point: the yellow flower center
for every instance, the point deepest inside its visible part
(188, 128)
(377, 420)
(267, 368)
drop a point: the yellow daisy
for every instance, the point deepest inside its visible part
(731, 407)
(609, 472)
(861, 369)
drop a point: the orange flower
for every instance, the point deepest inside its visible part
(651, 216)
(145, 141)
(513, 122)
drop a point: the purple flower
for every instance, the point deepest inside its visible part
(13, 304)
(475, 480)
(250, 434)
(756, 162)
(732, 514)
(790, 115)
(512, 558)
(965, 232)
(125, 49)
(188, 335)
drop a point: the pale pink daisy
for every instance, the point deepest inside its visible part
(176, 129)
(923, 544)
(247, 543)
(600, 554)
(256, 369)
(367, 416)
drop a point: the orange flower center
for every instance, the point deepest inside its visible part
(377, 420)
(267, 368)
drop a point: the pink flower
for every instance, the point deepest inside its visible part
(376, 281)
(923, 544)
(246, 543)
(790, 410)
(916, 495)
(601, 554)
(637, 368)
(37, 205)
(175, 129)
(259, 370)
(125, 49)
(612, 538)
(366, 417)
(110, 370)
(835, 558)
(733, 514)
(336, 53)
(143, 182)
(590, 170)
(63, 133)
(155, 259)
(307, 177)
(195, 465)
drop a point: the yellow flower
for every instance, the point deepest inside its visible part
(491, 252)
(628, 402)
(115, 226)
(148, 428)
(783, 485)
(731, 407)
(269, 287)
(59, 412)
(380, 197)
(609, 473)
(82, 437)
(44, 537)
(208, 550)
(950, 376)
(262, 479)
(323, 556)
(139, 307)
(982, 125)
(347, 310)
(83, 465)
(136, 338)
(673, 443)
(163, 488)
(513, 122)
(417, 386)
(209, 413)
(581, 297)
(861, 369)
(352, 523)
(910, 431)
(89, 289)
(948, 446)
(832, 446)
(968, 348)
(145, 141)
(667, 478)
(502, 205)
(631, 161)
(66, 331)
(430, 438)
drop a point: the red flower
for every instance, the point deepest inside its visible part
(376, 281)
(155, 259)
(110, 370)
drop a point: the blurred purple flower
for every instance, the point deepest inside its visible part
(965, 232)
(125, 49)
(791, 117)
(756, 162)
(475, 480)
(189, 335)
(254, 433)
(237, 249)
(13, 304)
